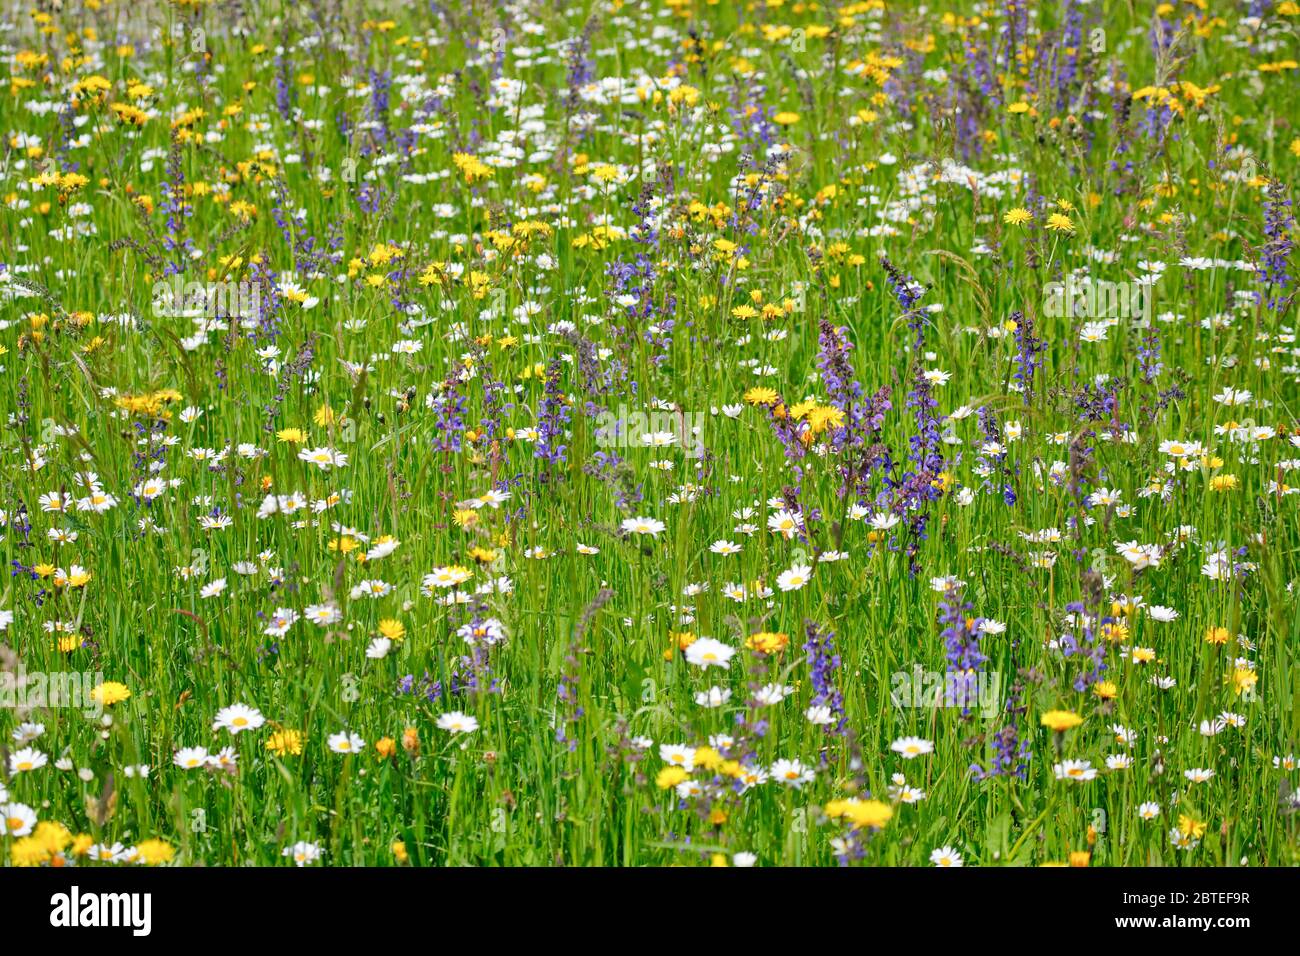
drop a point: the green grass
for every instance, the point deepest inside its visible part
(493, 219)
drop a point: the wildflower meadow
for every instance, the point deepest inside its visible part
(653, 433)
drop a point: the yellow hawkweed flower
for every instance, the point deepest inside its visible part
(1243, 679)
(670, 777)
(1060, 720)
(768, 642)
(285, 742)
(1217, 635)
(155, 852)
(872, 814)
(110, 693)
(1059, 222)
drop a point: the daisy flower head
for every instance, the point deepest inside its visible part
(707, 652)
(345, 742)
(455, 722)
(237, 718)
